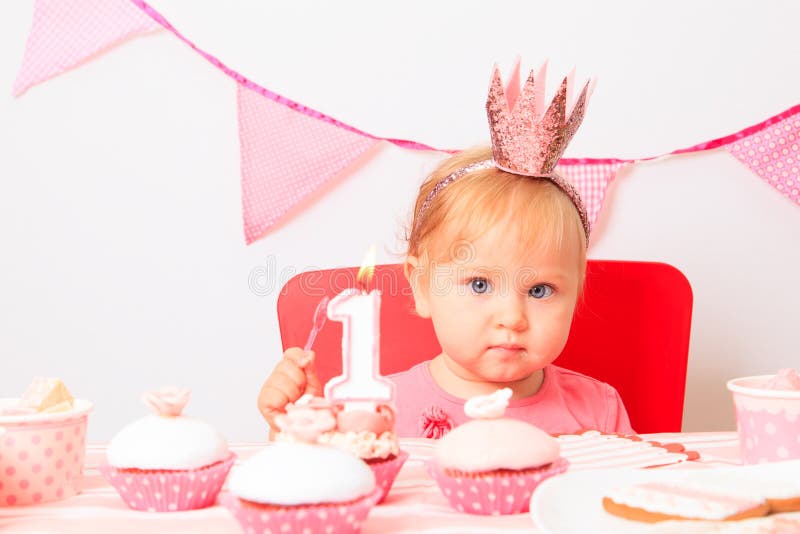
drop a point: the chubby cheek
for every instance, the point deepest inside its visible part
(458, 341)
(550, 337)
(458, 326)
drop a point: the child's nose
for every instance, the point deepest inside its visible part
(511, 314)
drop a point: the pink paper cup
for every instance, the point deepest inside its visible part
(42, 455)
(313, 518)
(385, 472)
(493, 494)
(768, 420)
(169, 491)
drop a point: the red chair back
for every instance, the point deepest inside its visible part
(631, 330)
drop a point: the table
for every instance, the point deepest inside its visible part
(414, 504)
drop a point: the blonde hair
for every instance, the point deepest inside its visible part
(469, 206)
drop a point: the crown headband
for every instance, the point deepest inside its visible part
(526, 139)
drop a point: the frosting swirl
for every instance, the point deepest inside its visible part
(305, 423)
(489, 406)
(369, 434)
(168, 401)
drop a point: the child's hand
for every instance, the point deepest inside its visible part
(291, 378)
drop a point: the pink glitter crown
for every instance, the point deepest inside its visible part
(527, 139)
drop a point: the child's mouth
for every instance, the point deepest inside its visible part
(507, 349)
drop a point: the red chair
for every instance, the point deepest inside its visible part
(631, 330)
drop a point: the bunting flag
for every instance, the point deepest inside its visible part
(591, 179)
(286, 156)
(289, 151)
(66, 33)
(774, 155)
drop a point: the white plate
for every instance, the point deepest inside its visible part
(572, 503)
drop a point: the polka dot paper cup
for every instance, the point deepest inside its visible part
(41, 455)
(768, 420)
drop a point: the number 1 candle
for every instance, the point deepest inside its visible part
(359, 313)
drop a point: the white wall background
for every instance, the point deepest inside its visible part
(122, 259)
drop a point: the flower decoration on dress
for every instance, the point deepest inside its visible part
(434, 423)
(489, 406)
(307, 420)
(168, 401)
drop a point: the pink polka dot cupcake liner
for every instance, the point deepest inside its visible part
(42, 455)
(169, 491)
(385, 472)
(312, 519)
(495, 493)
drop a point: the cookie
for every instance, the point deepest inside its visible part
(778, 486)
(652, 502)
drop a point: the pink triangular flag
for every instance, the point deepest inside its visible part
(286, 155)
(773, 153)
(66, 33)
(591, 180)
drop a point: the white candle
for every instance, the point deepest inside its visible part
(360, 380)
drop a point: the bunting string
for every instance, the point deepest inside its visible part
(289, 150)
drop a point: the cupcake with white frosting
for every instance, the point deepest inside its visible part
(301, 486)
(167, 461)
(492, 464)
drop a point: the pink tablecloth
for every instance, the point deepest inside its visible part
(414, 504)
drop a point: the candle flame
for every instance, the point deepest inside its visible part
(367, 269)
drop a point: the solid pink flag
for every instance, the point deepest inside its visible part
(591, 180)
(286, 156)
(66, 33)
(773, 153)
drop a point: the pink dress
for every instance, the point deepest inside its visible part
(566, 403)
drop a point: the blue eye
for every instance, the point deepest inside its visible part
(479, 285)
(540, 291)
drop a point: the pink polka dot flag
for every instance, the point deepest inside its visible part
(774, 155)
(591, 180)
(286, 155)
(66, 33)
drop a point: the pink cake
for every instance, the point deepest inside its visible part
(368, 434)
(491, 465)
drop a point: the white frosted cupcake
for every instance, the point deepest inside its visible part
(301, 487)
(167, 461)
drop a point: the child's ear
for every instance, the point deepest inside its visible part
(416, 279)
